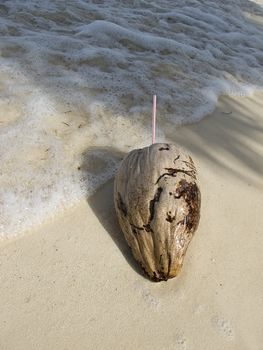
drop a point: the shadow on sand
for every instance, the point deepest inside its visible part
(102, 204)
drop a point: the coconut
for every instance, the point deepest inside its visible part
(157, 201)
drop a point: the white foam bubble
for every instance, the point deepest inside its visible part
(76, 84)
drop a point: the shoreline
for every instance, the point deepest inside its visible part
(72, 282)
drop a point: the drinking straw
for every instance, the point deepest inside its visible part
(153, 119)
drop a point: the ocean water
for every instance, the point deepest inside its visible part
(76, 83)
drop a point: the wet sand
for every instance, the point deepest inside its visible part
(72, 283)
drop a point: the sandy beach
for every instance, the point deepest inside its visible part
(72, 283)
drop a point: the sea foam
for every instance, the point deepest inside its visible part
(76, 84)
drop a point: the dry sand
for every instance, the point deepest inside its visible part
(72, 283)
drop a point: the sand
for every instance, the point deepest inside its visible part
(72, 283)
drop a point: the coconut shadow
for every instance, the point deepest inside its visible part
(102, 204)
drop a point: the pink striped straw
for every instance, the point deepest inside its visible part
(153, 119)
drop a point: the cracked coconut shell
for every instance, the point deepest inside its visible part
(157, 201)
